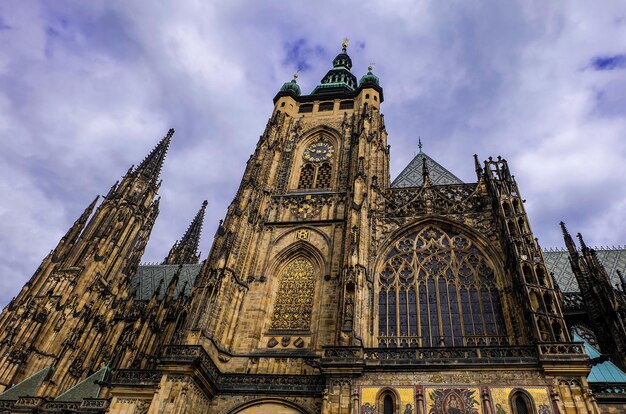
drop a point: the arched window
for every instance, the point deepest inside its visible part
(294, 300)
(436, 288)
(315, 176)
(307, 177)
(388, 404)
(521, 403)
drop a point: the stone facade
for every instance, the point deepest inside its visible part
(326, 289)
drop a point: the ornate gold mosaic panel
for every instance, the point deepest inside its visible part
(368, 399)
(500, 397)
(292, 310)
(452, 400)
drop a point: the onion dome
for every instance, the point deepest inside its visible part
(369, 78)
(339, 78)
(291, 86)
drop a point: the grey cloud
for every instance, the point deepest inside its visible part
(86, 90)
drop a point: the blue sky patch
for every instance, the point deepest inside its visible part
(608, 62)
(3, 25)
(299, 53)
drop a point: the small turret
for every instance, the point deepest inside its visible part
(369, 78)
(185, 250)
(291, 87)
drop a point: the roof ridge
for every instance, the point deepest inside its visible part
(414, 167)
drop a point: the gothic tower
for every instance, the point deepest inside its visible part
(327, 289)
(65, 319)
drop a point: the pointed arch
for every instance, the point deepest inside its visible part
(438, 284)
(314, 133)
(297, 271)
(388, 401)
(521, 402)
(310, 174)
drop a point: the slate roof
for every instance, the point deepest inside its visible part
(557, 261)
(28, 387)
(411, 176)
(148, 277)
(87, 388)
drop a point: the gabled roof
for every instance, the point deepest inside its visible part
(557, 262)
(88, 388)
(411, 176)
(28, 387)
(604, 372)
(148, 277)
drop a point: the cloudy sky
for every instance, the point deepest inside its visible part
(88, 88)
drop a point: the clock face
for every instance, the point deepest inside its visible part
(319, 151)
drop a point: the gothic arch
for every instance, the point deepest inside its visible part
(311, 134)
(299, 248)
(438, 283)
(476, 237)
(383, 394)
(268, 405)
(306, 175)
(312, 231)
(521, 402)
(296, 275)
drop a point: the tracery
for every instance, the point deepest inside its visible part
(437, 288)
(294, 301)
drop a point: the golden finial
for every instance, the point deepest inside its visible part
(295, 75)
(344, 44)
(371, 66)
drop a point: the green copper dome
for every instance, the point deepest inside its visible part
(369, 78)
(291, 86)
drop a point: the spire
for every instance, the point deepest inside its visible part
(425, 174)
(419, 144)
(583, 245)
(73, 233)
(171, 286)
(569, 242)
(151, 166)
(185, 250)
(477, 167)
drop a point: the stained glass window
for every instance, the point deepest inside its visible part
(437, 288)
(294, 301)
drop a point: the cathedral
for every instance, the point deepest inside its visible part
(328, 288)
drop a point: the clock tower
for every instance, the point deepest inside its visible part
(328, 288)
